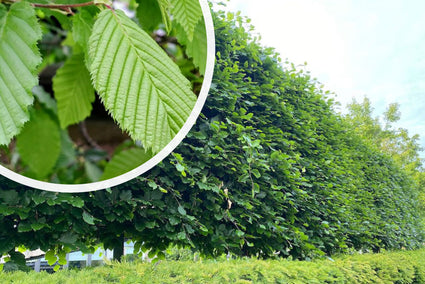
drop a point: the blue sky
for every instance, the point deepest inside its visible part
(354, 47)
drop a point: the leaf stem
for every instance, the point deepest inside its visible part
(62, 6)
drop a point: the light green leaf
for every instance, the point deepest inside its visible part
(39, 143)
(164, 6)
(19, 58)
(45, 98)
(181, 210)
(73, 91)
(38, 226)
(256, 173)
(187, 13)
(89, 219)
(62, 257)
(68, 238)
(68, 153)
(197, 47)
(81, 29)
(181, 236)
(50, 256)
(151, 12)
(93, 171)
(125, 161)
(141, 87)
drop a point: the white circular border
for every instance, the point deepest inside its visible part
(86, 187)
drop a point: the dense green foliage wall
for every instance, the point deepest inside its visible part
(268, 169)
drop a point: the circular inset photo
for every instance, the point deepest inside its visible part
(94, 94)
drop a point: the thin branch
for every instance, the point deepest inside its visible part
(62, 6)
(87, 137)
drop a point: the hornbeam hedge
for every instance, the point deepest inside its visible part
(269, 169)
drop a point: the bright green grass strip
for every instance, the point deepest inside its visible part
(399, 267)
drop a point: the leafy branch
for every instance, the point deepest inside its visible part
(140, 86)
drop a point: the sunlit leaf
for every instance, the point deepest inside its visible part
(197, 47)
(187, 13)
(141, 87)
(73, 91)
(89, 219)
(19, 57)
(82, 28)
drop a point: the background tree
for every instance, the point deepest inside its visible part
(381, 133)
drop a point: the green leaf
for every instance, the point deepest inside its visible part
(256, 173)
(73, 91)
(17, 257)
(89, 219)
(10, 197)
(62, 257)
(82, 27)
(93, 171)
(39, 143)
(197, 47)
(50, 257)
(38, 226)
(68, 153)
(125, 161)
(38, 199)
(152, 253)
(126, 195)
(187, 13)
(19, 58)
(181, 210)
(181, 236)
(138, 83)
(164, 6)
(24, 227)
(77, 202)
(151, 12)
(68, 238)
(44, 98)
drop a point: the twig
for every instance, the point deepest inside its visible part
(65, 7)
(85, 133)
